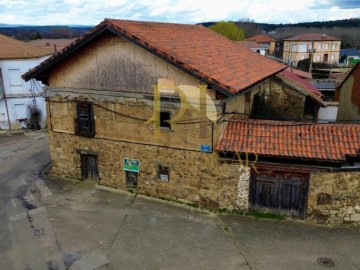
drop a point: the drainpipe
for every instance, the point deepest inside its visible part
(7, 110)
(5, 100)
(311, 57)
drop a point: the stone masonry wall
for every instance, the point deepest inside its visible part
(195, 177)
(334, 198)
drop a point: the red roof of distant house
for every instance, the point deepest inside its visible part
(250, 44)
(195, 49)
(52, 45)
(15, 49)
(313, 36)
(328, 142)
(261, 39)
(300, 73)
(301, 85)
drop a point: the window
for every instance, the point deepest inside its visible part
(332, 56)
(318, 58)
(319, 46)
(15, 77)
(164, 120)
(293, 47)
(84, 122)
(326, 46)
(131, 179)
(302, 47)
(333, 46)
(163, 173)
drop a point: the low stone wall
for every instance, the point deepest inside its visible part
(195, 177)
(334, 198)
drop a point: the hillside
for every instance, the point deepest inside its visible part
(36, 32)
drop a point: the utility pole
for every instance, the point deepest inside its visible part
(311, 56)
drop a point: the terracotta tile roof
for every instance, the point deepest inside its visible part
(15, 49)
(50, 44)
(250, 44)
(300, 85)
(312, 36)
(196, 49)
(327, 142)
(300, 73)
(261, 38)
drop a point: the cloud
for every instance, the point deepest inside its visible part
(92, 12)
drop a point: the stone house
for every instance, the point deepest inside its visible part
(177, 111)
(16, 58)
(348, 93)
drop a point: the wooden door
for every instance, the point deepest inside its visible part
(279, 192)
(89, 167)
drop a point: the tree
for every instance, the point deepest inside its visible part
(250, 27)
(229, 30)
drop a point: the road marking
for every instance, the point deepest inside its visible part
(13, 202)
(31, 212)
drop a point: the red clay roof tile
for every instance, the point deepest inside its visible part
(331, 142)
(188, 46)
(15, 49)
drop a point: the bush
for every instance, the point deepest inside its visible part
(33, 117)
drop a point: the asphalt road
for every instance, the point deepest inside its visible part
(26, 236)
(50, 223)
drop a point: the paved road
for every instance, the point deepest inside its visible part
(26, 236)
(81, 226)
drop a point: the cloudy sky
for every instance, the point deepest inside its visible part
(91, 12)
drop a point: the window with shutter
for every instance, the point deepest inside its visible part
(84, 123)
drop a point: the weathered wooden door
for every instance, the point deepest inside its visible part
(279, 192)
(89, 167)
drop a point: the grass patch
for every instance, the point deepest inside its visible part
(259, 214)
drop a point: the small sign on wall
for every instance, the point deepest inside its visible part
(131, 165)
(206, 148)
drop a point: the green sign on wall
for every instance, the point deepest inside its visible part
(131, 165)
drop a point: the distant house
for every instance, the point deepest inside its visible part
(254, 46)
(349, 96)
(319, 47)
(17, 57)
(349, 56)
(266, 41)
(52, 45)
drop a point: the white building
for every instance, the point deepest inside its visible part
(16, 58)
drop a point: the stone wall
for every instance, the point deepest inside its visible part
(334, 198)
(195, 177)
(278, 101)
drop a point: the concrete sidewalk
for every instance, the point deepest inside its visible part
(98, 229)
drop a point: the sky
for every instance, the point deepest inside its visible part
(92, 12)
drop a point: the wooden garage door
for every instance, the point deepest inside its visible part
(279, 192)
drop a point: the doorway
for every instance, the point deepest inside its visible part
(89, 166)
(279, 192)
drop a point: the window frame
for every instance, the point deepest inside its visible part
(163, 168)
(84, 115)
